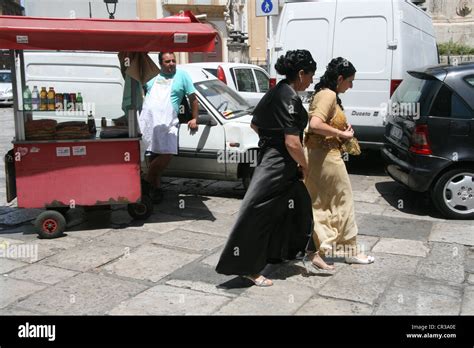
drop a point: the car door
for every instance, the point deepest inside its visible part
(451, 125)
(198, 150)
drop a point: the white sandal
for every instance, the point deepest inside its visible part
(355, 259)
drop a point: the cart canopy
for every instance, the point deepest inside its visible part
(181, 33)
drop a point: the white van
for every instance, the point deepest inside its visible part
(382, 38)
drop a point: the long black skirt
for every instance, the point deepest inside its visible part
(275, 220)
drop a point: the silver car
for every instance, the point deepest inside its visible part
(6, 91)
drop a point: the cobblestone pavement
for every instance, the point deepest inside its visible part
(109, 264)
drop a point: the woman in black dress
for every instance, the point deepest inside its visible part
(275, 219)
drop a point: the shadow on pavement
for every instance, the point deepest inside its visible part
(407, 201)
(369, 163)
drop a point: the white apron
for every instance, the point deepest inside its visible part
(158, 120)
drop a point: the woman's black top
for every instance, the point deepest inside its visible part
(280, 112)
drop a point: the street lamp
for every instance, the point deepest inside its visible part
(111, 13)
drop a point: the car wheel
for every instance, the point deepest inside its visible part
(50, 224)
(247, 176)
(453, 193)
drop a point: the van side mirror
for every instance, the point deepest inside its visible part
(206, 119)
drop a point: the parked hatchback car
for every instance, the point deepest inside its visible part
(250, 81)
(6, 92)
(430, 148)
(224, 146)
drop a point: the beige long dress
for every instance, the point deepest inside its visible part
(328, 183)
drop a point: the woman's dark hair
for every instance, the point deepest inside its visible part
(294, 61)
(337, 67)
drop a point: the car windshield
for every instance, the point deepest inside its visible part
(224, 99)
(5, 77)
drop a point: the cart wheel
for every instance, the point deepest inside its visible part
(141, 210)
(50, 224)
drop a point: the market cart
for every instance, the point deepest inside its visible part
(44, 170)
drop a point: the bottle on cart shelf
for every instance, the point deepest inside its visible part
(72, 101)
(59, 101)
(35, 99)
(67, 107)
(79, 105)
(103, 122)
(27, 99)
(51, 99)
(43, 99)
(91, 123)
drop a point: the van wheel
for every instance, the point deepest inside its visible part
(453, 193)
(247, 173)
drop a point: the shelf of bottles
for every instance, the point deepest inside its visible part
(43, 104)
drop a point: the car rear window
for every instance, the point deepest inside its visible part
(245, 80)
(470, 80)
(417, 93)
(5, 77)
(212, 71)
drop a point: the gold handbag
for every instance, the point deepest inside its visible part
(351, 147)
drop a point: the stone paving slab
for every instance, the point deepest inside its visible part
(368, 208)
(394, 228)
(215, 204)
(282, 298)
(19, 216)
(213, 259)
(200, 286)
(401, 247)
(329, 306)
(170, 300)
(26, 231)
(295, 272)
(42, 274)
(12, 310)
(419, 284)
(198, 272)
(86, 233)
(470, 279)
(365, 283)
(86, 256)
(126, 237)
(12, 290)
(366, 242)
(449, 233)
(85, 294)
(150, 262)
(402, 301)
(194, 241)
(7, 265)
(445, 262)
(468, 301)
(219, 227)
(160, 222)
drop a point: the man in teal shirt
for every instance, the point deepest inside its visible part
(159, 119)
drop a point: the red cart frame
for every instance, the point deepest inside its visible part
(61, 174)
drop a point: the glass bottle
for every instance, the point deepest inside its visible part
(27, 99)
(79, 105)
(51, 99)
(91, 123)
(35, 99)
(43, 99)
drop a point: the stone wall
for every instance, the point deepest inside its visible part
(453, 20)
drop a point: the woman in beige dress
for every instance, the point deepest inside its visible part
(328, 183)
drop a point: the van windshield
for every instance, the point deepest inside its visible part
(223, 99)
(415, 92)
(5, 77)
